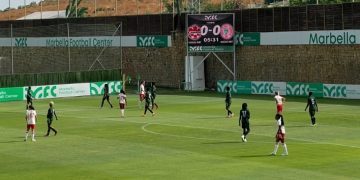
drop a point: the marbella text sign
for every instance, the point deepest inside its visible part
(340, 37)
(90, 42)
(210, 32)
(335, 37)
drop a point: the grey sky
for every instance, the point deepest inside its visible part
(15, 3)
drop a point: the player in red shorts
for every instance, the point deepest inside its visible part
(280, 135)
(279, 102)
(30, 122)
(122, 102)
(141, 93)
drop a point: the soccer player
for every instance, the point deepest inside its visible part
(279, 102)
(122, 102)
(153, 96)
(311, 103)
(141, 93)
(30, 118)
(244, 121)
(147, 102)
(280, 135)
(28, 97)
(228, 102)
(50, 117)
(106, 96)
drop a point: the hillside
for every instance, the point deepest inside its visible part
(105, 7)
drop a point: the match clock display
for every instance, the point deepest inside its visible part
(210, 32)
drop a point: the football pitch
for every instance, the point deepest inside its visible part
(188, 138)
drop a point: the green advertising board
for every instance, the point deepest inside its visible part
(222, 84)
(244, 87)
(247, 39)
(97, 88)
(11, 94)
(152, 41)
(303, 89)
(335, 91)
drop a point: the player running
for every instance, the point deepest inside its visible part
(311, 103)
(244, 121)
(279, 102)
(280, 135)
(106, 96)
(228, 102)
(122, 102)
(30, 118)
(50, 117)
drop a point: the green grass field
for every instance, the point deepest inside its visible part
(189, 138)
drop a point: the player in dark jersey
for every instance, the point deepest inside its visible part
(280, 135)
(28, 98)
(147, 102)
(153, 96)
(311, 103)
(50, 116)
(244, 121)
(228, 102)
(106, 96)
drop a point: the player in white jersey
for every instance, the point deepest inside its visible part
(122, 102)
(280, 135)
(141, 93)
(279, 102)
(30, 118)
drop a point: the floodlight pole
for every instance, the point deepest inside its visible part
(68, 38)
(12, 49)
(24, 9)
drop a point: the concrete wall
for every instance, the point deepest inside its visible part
(310, 63)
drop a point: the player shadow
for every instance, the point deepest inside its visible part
(214, 117)
(224, 142)
(11, 141)
(253, 156)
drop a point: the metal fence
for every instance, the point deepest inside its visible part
(60, 48)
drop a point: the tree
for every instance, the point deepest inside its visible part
(73, 9)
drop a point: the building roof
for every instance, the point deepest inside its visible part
(45, 15)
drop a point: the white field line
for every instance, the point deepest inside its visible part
(163, 124)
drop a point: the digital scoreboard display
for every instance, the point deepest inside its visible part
(210, 32)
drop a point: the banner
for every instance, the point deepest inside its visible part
(303, 89)
(11, 94)
(57, 91)
(93, 41)
(97, 88)
(244, 87)
(210, 32)
(334, 37)
(335, 90)
(344, 91)
(270, 88)
(247, 39)
(222, 84)
(153, 41)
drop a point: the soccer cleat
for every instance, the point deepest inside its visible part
(153, 114)
(272, 154)
(243, 138)
(232, 115)
(33, 140)
(284, 154)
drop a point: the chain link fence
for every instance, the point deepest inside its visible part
(60, 48)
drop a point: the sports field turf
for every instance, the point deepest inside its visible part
(188, 138)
